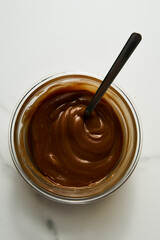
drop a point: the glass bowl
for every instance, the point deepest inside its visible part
(130, 123)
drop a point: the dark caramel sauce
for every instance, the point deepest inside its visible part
(69, 149)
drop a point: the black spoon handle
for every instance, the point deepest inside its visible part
(122, 58)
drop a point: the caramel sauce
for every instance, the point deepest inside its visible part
(69, 149)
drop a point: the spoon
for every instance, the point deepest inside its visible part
(122, 58)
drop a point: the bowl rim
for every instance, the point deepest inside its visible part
(71, 200)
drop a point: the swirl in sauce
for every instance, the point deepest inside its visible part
(68, 149)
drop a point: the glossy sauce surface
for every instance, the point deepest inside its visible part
(68, 149)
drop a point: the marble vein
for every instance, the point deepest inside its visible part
(4, 109)
(148, 158)
(51, 226)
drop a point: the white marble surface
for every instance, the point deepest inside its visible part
(42, 37)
